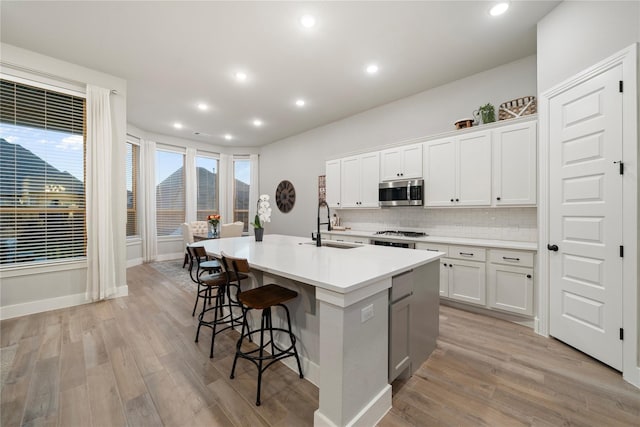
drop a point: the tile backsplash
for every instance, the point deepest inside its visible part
(519, 224)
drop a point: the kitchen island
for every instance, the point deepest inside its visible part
(341, 317)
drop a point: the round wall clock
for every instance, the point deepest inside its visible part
(285, 196)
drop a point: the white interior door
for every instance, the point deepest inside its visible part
(585, 217)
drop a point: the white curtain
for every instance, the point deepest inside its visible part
(191, 184)
(150, 248)
(254, 188)
(101, 262)
(225, 187)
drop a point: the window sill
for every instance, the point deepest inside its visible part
(135, 240)
(28, 269)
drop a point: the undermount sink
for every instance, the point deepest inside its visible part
(334, 244)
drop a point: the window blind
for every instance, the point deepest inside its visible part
(170, 193)
(42, 175)
(132, 176)
(207, 187)
(241, 186)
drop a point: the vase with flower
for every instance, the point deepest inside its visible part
(213, 221)
(263, 215)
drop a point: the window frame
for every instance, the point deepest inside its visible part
(62, 264)
(210, 156)
(136, 167)
(174, 150)
(234, 210)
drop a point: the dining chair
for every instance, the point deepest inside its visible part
(188, 230)
(233, 229)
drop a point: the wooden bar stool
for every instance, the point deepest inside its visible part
(198, 258)
(263, 298)
(225, 313)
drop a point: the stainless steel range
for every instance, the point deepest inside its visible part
(397, 243)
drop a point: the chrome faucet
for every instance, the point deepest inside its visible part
(323, 203)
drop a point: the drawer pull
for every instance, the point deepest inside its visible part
(508, 258)
(466, 253)
(433, 250)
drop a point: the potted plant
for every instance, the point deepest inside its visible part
(263, 215)
(487, 113)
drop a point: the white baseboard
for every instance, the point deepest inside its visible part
(134, 262)
(170, 257)
(634, 378)
(370, 415)
(40, 306)
(122, 291)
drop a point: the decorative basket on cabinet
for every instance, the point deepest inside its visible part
(517, 108)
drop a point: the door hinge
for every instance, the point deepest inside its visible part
(621, 334)
(621, 251)
(621, 86)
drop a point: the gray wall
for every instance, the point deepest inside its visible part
(301, 158)
(577, 34)
(33, 285)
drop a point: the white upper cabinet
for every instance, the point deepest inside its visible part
(401, 163)
(359, 181)
(515, 164)
(440, 164)
(332, 172)
(474, 169)
(458, 170)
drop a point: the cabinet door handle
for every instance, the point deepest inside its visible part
(508, 258)
(465, 253)
(498, 198)
(452, 200)
(528, 276)
(552, 247)
(457, 200)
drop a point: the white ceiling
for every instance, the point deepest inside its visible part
(177, 54)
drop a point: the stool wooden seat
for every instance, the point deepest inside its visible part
(263, 298)
(266, 296)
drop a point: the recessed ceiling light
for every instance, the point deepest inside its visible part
(241, 76)
(300, 102)
(177, 125)
(308, 21)
(257, 122)
(203, 107)
(228, 137)
(372, 68)
(499, 8)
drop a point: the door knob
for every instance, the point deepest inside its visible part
(553, 248)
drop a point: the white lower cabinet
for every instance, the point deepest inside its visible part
(467, 281)
(510, 279)
(497, 279)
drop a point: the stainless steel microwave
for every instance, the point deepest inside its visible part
(401, 193)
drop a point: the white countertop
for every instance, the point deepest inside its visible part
(335, 269)
(501, 244)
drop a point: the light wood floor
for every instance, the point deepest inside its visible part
(132, 361)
